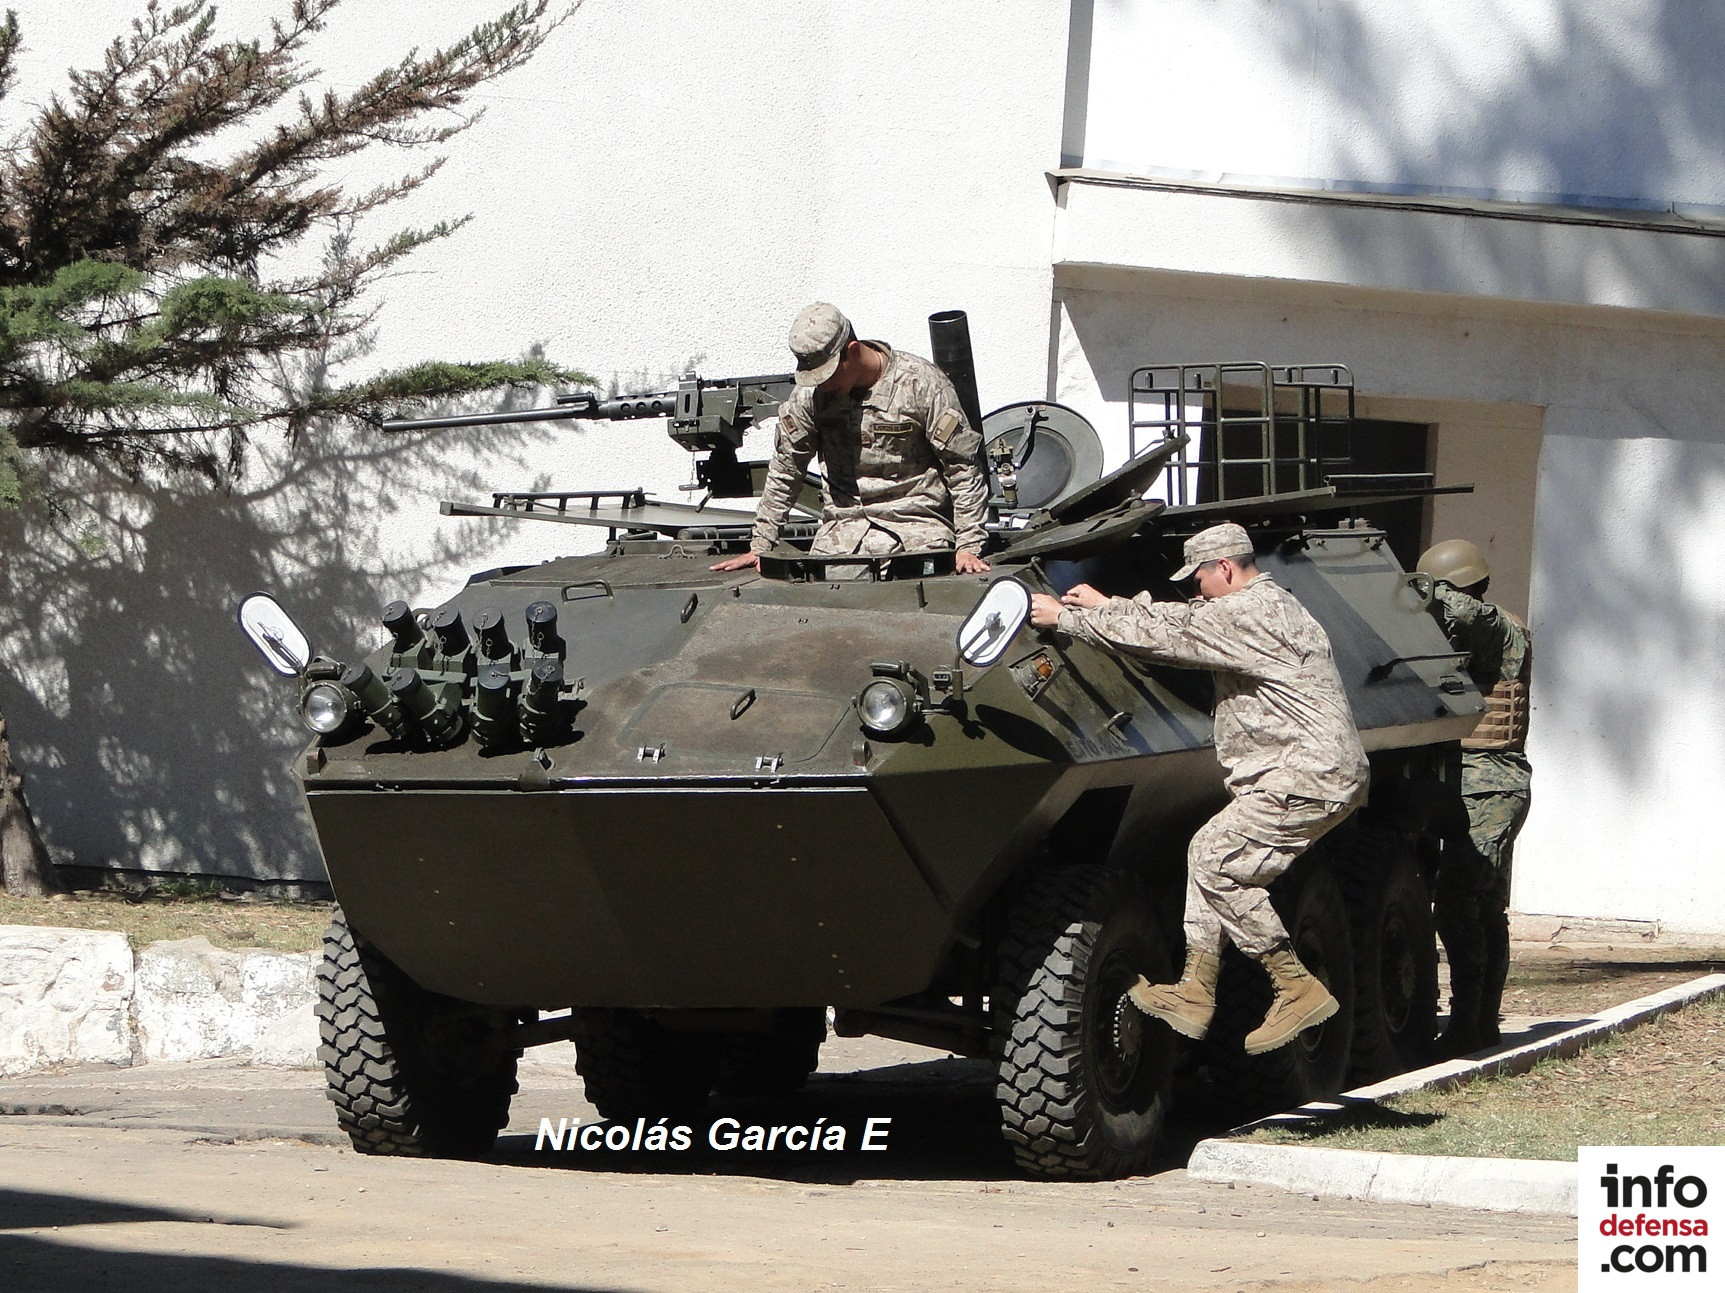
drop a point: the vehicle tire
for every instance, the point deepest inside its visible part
(1315, 1064)
(410, 1071)
(634, 1067)
(1395, 955)
(776, 1062)
(1073, 1103)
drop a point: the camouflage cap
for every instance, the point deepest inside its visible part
(818, 338)
(1225, 540)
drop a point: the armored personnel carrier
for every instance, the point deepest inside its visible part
(691, 820)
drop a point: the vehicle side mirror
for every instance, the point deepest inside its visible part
(282, 643)
(996, 620)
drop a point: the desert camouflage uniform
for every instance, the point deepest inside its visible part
(1472, 899)
(1284, 734)
(898, 460)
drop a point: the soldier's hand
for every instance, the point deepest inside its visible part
(748, 561)
(1044, 611)
(968, 563)
(1084, 597)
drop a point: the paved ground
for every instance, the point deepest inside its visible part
(217, 1176)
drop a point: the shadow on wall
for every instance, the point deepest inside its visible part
(1587, 105)
(1641, 655)
(150, 734)
(1556, 101)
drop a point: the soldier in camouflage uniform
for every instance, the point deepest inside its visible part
(1472, 898)
(898, 456)
(1285, 736)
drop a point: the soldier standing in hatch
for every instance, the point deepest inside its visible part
(1285, 736)
(898, 455)
(1472, 898)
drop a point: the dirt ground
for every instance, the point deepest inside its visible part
(1573, 982)
(217, 1176)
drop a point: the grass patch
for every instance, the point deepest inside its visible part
(226, 922)
(1659, 1084)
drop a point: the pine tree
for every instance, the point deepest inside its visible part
(144, 318)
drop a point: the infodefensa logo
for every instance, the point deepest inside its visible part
(1646, 1216)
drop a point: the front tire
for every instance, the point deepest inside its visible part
(410, 1072)
(1073, 1102)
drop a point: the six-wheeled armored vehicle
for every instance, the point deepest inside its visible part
(692, 820)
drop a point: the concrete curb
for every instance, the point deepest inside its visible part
(1498, 1185)
(74, 996)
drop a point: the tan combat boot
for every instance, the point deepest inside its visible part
(1300, 1003)
(1186, 1006)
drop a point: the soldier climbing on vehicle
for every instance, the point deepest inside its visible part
(1286, 737)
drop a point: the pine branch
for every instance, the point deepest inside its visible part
(135, 327)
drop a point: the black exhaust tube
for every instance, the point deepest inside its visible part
(949, 336)
(949, 339)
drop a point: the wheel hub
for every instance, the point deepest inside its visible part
(1128, 1029)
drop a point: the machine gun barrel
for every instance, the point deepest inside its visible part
(579, 405)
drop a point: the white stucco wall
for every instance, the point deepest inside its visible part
(1544, 100)
(663, 184)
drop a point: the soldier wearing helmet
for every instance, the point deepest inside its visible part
(1472, 899)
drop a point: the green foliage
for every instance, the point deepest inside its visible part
(139, 322)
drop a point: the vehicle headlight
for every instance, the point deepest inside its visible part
(324, 707)
(887, 706)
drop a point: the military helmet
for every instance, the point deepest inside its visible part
(1456, 562)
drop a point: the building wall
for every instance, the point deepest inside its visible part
(663, 186)
(1533, 100)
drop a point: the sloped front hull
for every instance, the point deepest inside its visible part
(698, 897)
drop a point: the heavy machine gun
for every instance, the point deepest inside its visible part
(707, 416)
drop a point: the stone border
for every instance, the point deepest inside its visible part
(78, 996)
(1499, 1185)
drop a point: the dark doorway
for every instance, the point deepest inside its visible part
(1395, 448)
(1238, 464)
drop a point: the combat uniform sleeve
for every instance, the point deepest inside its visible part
(1496, 646)
(793, 450)
(956, 444)
(1191, 635)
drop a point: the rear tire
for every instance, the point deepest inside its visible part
(776, 1062)
(635, 1067)
(1072, 1102)
(1314, 1065)
(1395, 955)
(410, 1072)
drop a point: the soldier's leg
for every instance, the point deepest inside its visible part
(1461, 881)
(1188, 1005)
(1256, 838)
(1494, 820)
(1259, 837)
